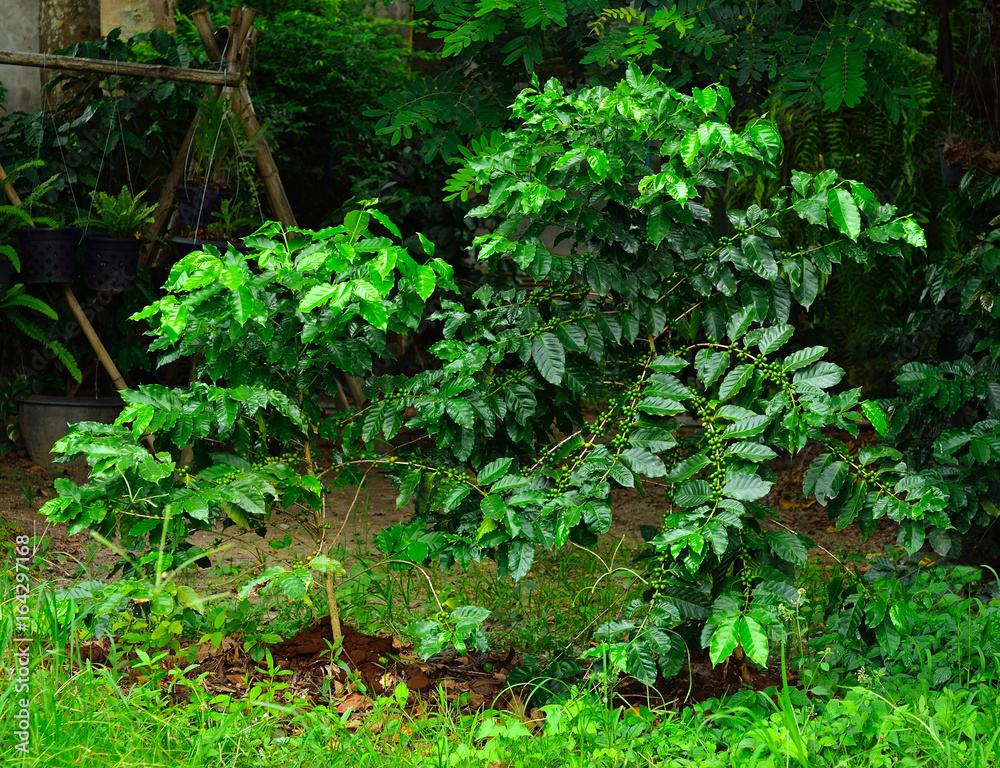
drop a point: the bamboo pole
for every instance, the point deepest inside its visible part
(95, 342)
(102, 353)
(225, 78)
(9, 189)
(165, 203)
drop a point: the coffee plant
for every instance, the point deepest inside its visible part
(660, 303)
(266, 330)
(945, 420)
(657, 301)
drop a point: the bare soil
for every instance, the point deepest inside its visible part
(357, 515)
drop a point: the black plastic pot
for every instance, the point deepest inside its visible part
(195, 205)
(951, 175)
(49, 255)
(44, 419)
(110, 263)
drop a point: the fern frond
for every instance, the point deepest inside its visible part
(66, 359)
(11, 253)
(32, 331)
(25, 326)
(21, 299)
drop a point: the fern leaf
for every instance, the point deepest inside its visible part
(11, 253)
(28, 301)
(34, 332)
(25, 326)
(65, 358)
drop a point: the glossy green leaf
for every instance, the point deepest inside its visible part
(844, 212)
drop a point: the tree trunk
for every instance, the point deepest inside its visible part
(134, 16)
(64, 22)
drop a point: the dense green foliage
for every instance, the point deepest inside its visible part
(648, 249)
(829, 53)
(651, 310)
(945, 417)
(655, 313)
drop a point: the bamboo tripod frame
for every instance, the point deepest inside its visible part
(231, 55)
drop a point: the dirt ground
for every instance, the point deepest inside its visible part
(475, 681)
(24, 487)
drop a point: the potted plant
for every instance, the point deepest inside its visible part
(48, 250)
(228, 227)
(41, 419)
(111, 260)
(218, 146)
(19, 310)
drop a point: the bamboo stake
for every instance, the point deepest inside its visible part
(167, 196)
(129, 68)
(102, 353)
(9, 189)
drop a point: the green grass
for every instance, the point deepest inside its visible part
(90, 718)
(889, 716)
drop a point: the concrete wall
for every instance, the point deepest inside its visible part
(398, 10)
(19, 32)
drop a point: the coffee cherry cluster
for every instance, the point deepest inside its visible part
(747, 575)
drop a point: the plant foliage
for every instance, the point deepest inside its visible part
(649, 307)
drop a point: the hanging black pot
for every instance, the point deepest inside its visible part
(49, 255)
(195, 205)
(951, 175)
(110, 263)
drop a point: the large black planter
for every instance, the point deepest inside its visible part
(48, 255)
(44, 419)
(110, 263)
(195, 205)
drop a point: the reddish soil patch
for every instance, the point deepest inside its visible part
(366, 667)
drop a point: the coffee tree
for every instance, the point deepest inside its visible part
(663, 303)
(268, 330)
